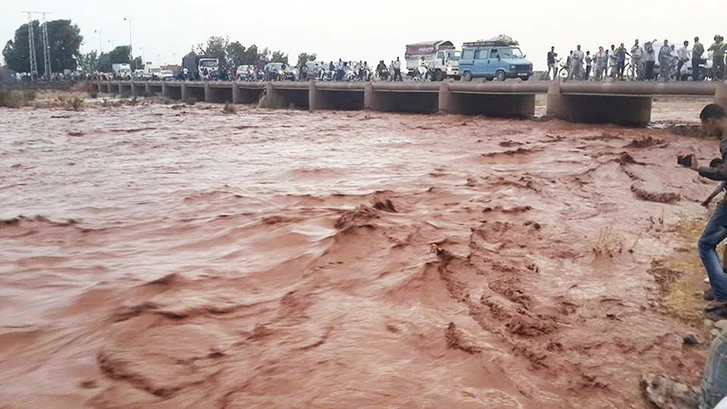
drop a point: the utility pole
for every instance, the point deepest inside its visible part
(100, 43)
(46, 49)
(31, 47)
(46, 45)
(131, 43)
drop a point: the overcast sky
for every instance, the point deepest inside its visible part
(373, 29)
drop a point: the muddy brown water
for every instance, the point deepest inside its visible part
(182, 258)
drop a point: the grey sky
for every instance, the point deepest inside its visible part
(374, 29)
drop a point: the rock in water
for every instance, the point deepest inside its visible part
(721, 325)
(690, 339)
(664, 393)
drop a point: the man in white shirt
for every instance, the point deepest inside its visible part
(637, 60)
(397, 69)
(577, 64)
(684, 55)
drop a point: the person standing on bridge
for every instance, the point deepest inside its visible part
(339, 70)
(589, 65)
(649, 60)
(397, 70)
(718, 64)
(577, 64)
(683, 55)
(601, 61)
(552, 55)
(621, 60)
(697, 53)
(637, 60)
(613, 62)
(665, 61)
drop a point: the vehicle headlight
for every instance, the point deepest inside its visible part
(513, 68)
(281, 72)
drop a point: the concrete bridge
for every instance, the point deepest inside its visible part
(625, 103)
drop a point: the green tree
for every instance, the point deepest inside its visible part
(236, 54)
(64, 42)
(216, 47)
(304, 58)
(137, 63)
(88, 62)
(104, 63)
(279, 56)
(119, 55)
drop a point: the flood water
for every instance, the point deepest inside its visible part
(178, 257)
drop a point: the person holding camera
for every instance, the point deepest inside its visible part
(714, 122)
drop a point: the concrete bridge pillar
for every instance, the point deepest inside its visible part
(108, 87)
(236, 93)
(445, 101)
(271, 93)
(631, 110)
(720, 96)
(133, 89)
(372, 100)
(207, 92)
(147, 88)
(312, 96)
(165, 90)
(185, 92)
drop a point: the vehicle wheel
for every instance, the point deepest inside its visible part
(501, 76)
(438, 76)
(467, 76)
(489, 78)
(525, 78)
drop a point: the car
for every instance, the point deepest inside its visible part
(312, 71)
(278, 71)
(243, 73)
(498, 58)
(141, 75)
(166, 75)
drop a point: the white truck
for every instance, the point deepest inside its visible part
(122, 71)
(441, 58)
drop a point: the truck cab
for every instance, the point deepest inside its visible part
(440, 56)
(499, 58)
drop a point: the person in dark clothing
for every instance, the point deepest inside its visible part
(589, 65)
(650, 61)
(697, 53)
(621, 60)
(552, 66)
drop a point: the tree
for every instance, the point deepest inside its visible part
(88, 62)
(137, 63)
(216, 47)
(119, 55)
(279, 56)
(236, 54)
(304, 58)
(64, 43)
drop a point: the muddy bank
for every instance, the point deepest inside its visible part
(164, 257)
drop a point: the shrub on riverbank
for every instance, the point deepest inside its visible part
(16, 98)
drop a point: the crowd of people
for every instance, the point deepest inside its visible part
(651, 62)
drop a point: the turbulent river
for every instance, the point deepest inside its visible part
(164, 256)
